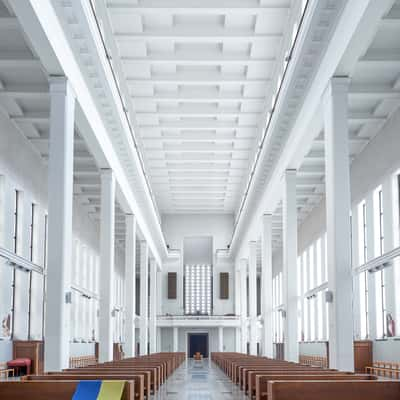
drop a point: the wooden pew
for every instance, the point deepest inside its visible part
(261, 385)
(250, 384)
(138, 388)
(146, 374)
(330, 390)
(49, 390)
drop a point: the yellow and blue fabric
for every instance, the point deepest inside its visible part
(99, 390)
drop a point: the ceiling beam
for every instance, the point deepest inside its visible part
(19, 63)
(196, 98)
(197, 79)
(196, 60)
(200, 138)
(204, 8)
(198, 113)
(198, 36)
(7, 23)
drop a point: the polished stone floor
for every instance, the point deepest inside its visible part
(199, 381)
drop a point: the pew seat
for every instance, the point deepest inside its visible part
(330, 390)
(138, 380)
(261, 385)
(49, 390)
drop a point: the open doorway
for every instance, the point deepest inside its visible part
(198, 342)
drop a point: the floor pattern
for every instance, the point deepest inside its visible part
(199, 381)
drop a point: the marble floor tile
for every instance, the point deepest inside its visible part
(199, 381)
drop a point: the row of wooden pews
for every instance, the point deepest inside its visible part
(265, 378)
(142, 376)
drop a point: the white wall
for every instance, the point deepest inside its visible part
(167, 338)
(377, 162)
(21, 168)
(178, 227)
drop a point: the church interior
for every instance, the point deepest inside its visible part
(200, 200)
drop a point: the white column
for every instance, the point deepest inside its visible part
(107, 250)
(253, 296)
(130, 285)
(60, 192)
(356, 279)
(371, 276)
(237, 308)
(144, 296)
(159, 345)
(290, 266)
(243, 304)
(175, 339)
(341, 354)
(220, 339)
(153, 306)
(266, 286)
(390, 210)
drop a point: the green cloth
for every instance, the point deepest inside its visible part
(111, 390)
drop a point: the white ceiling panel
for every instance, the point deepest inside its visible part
(199, 78)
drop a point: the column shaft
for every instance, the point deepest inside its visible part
(130, 285)
(337, 167)
(253, 296)
(266, 285)
(107, 250)
(175, 339)
(144, 297)
(60, 191)
(220, 339)
(290, 297)
(153, 306)
(243, 304)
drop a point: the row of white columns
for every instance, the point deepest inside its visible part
(339, 254)
(60, 204)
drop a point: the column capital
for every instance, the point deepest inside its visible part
(60, 84)
(252, 243)
(106, 173)
(337, 84)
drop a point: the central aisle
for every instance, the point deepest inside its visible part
(199, 381)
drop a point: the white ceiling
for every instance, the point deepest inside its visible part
(199, 76)
(374, 95)
(25, 100)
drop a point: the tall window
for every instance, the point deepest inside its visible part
(313, 276)
(277, 296)
(16, 221)
(364, 317)
(198, 289)
(32, 233)
(379, 242)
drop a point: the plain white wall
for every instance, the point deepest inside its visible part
(21, 168)
(178, 227)
(379, 159)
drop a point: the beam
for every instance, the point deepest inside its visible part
(194, 98)
(204, 8)
(196, 60)
(19, 63)
(197, 79)
(202, 138)
(198, 113)
(198, 36)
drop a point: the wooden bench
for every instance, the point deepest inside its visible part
(261, 386)
(252, 376)
(49, 390)
(330, 390)
(317, 361)
(146, 375)
(82, 361)
(138, 388)
(384, 372)
(5, 371)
